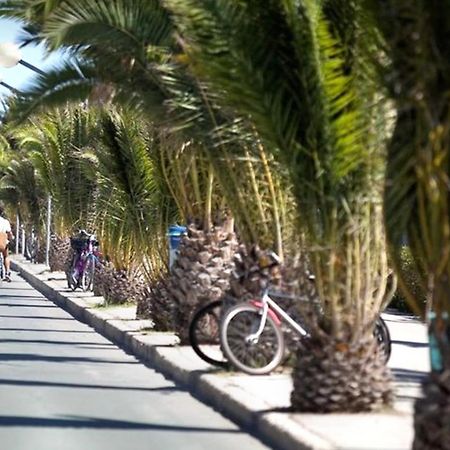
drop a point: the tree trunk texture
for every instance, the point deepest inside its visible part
(59, 253)
(200, 274)
(432, 414)
(332, 376)
(40, 255)
(118, 286)
(158, 305)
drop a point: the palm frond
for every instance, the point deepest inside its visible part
(416, 73)
(128, 194)
(71, 82)
(82, 22)
(296, 71)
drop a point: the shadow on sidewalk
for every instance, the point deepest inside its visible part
(411, 344)
(409, 376)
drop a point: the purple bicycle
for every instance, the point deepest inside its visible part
(84, 258)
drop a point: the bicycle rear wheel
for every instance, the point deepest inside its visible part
(204, 334)
(87, 277)
(72, 274)
(383, 337)
(253, 356)
(31, 248)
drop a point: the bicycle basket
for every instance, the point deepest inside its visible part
(79, 244)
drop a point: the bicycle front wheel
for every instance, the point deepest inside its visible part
(204, 334)
(383, 337)
(255, 356)
(87, 277)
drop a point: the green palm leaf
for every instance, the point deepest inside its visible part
(296, 70)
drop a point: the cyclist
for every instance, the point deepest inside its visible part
(5, 238)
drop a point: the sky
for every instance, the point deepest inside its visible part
(20, 76)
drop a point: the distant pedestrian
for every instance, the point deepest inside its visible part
(5, 238)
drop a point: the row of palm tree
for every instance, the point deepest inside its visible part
(310, 124)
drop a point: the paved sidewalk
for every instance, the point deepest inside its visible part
(260, 404)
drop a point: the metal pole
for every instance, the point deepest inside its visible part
(30, 66)
(47, 244)
(7, 86)
(17, 233)
(23, 240)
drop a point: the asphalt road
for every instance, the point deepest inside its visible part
(65, 387)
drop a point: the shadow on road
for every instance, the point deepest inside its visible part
(58, 359)
(8, 287)
(35, 317)
(84, 344)
(25, 296)
(46, 330)
(98, 423)
(35, 383)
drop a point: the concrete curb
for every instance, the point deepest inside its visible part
(160, 352)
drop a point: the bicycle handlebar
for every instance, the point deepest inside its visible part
(84, 233)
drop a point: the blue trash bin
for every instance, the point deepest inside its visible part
(175, 234)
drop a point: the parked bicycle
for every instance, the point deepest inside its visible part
(204, 334)
(31, 245)
(82, 267)
(250, 335)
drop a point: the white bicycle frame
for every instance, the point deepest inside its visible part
(267, 303)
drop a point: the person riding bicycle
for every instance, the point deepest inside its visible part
(5, 237)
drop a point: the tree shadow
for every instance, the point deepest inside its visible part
(29, 305)
(400, 316)
(36, 383)
(35, 317)
(411, 344)
(60, 359)
(409, 376)
(99, 423)
(47, 330)
(12, 288)
(99, 345)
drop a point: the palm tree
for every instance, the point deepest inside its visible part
(151, 75)
(32, 12)
(21, 193)
(155, 78)
(415, 68)
(54, 143)
(298, 71)
(129, 205)
(19, 188)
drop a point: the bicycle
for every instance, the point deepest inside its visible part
(263, 316)
(31, 246)
(204, 334)
(253, 340)
(82, 267)
(205, 338)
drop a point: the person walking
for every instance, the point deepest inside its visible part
(5, 238)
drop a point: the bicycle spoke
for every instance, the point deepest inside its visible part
(256, 356)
